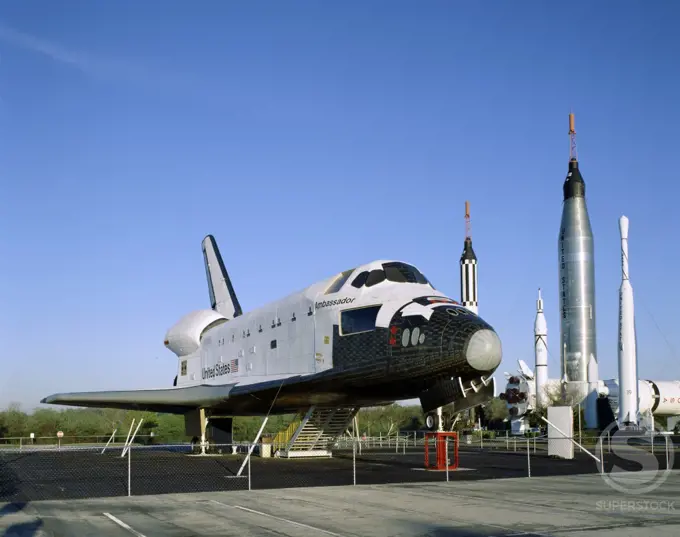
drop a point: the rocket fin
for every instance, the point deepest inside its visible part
(524, 368)
(222, 296)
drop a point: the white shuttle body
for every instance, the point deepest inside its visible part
(371, 335)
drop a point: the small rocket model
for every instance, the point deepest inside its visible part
(628, 378)
(541, 353)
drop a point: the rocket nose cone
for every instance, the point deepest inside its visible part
(623, 227)
(468, 253)
(574, 186)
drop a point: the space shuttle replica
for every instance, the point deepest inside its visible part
(367, 336)
(632, 401)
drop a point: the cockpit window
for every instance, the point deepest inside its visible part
(375, 277)
(360, 280)
(393, 272)
(401, 272)
(339, 282)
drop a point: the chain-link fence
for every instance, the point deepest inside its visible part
(65, 472)
(85, 472)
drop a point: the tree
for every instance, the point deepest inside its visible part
(558, 394)
(496, 409)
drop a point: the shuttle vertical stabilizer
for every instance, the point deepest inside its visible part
(222, 296)
(628, 381)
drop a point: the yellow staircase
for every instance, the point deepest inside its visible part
(315, 433)
(283, 437)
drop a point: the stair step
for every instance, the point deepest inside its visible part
(318, 429)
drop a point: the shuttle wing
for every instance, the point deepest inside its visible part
(171, 400)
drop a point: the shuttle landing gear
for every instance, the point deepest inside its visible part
(436, 421)
(196, 423)
(195, 445)
(439, 421)
(431, 421)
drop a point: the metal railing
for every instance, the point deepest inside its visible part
(68, 440)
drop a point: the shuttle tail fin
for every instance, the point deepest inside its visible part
(222, 296)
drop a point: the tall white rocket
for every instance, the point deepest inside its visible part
(628, 378)
(541, 353)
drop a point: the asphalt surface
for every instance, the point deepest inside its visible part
(556, 506)
(28, 476)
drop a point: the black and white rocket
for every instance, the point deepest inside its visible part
(628, 377)
(468, 268)
(576, 264)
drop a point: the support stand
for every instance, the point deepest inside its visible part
(443, 453)
(128, 441)
(250, 450)
(204, 426)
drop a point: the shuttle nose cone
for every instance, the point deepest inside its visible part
(483, 350)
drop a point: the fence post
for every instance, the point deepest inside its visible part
(609, 442)
(534, 444)
(446, 452)
(528, 458)
(354, 463)
(507, 441)
(481, 439)
(515, 444)
(667, 457)
(601, 456)
(129, 472)
(249, 485)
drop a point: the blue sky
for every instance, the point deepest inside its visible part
(310, 137)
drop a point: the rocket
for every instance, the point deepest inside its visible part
(541, 353)
(468, 268)
(628, 378)
(577, 291)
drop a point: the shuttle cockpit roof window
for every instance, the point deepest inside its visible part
(401, 272)
(339, 282)
(393, 272)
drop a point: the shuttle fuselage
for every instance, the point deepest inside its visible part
(371, 335)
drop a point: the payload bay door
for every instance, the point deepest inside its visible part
(323, 340)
